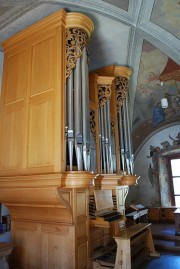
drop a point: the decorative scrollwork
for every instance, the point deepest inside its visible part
(113, 129)
(104, 93)
(76, 41)
(121, 90)
(93, 124)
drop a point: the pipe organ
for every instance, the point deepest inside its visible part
(108, 92)
(66, 156)
(77, 96)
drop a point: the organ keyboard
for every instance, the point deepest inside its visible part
(103, 209)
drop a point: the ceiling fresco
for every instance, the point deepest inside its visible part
(119, 3)
(148, 112)
(166, 15)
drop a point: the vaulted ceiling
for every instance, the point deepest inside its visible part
(141, 34)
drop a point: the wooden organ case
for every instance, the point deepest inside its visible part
(48, 204)
(63, 152)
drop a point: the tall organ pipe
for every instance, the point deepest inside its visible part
(85, 110)
(110, 164)
(121, 134)
(101, 112)
(129, 138)
(125, 128)
(70, 119)
(78, 114)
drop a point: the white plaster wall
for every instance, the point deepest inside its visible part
(144, 193)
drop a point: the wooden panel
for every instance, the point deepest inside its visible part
(83, 257)
(26, 241)
(43, 64)
(170, 214)
(82, 227)
(15, 79)
(57, 250)
(40, 141)
(12, 137)
(103, 199)
(34, 73)
(81, 204)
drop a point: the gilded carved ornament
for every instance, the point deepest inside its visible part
(79, 28)
(76, 41)
(121, 91)
(113, 129)
(104, 93)
(93, 124)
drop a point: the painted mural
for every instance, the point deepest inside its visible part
(151, 165)
(166, 14)
(159, 77)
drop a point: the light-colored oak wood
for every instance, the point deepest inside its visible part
(32, 100)
(50, 223)
(138, 235)
(49, 207)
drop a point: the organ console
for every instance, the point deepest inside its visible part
(66, 158)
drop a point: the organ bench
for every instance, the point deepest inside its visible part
(134, 244)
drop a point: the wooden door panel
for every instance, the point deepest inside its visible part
(16, 70)
(57, 250)
(13, 137)
(27, 242)
(43, 64)
(40, 142)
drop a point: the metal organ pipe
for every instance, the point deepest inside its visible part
(110, 164)
(85, 110)
(129, 138)
(78, 32)
(125, 129)
(70, 118)
(102, 141)
(121, 138)
(104, 95)
(78, 119)
(78, 114)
